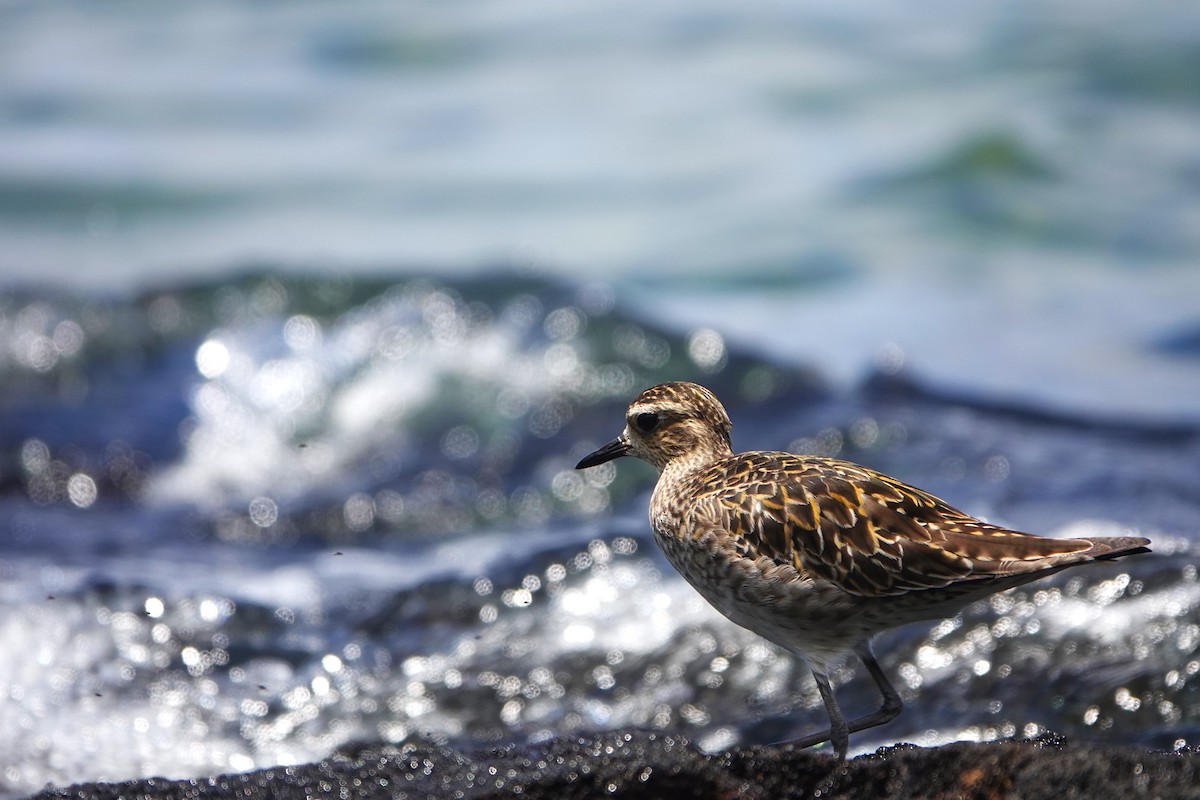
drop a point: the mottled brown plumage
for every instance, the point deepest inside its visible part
(816, 554)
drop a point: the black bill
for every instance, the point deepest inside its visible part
(614, 449)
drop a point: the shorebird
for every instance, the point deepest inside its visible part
(815, 554)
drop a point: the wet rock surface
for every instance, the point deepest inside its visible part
(654, 765)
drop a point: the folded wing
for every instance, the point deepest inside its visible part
(875, 536)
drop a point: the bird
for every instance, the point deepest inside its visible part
(816, 554)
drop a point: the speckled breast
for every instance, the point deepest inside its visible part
(812, 619)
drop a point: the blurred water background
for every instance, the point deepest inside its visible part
(309, 309)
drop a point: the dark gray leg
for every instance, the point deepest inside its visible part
(892, 704)
(839, 731)
(838, 734)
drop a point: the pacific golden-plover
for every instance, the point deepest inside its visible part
(815, 554)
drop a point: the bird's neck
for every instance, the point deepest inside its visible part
(699, 455)
(676, 473)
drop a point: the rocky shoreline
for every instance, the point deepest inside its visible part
(637, 764)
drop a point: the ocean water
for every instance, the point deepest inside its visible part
(308, 311)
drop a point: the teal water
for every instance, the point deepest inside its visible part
(308, 312)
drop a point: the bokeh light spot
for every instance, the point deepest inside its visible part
(263, 512)
(706, 348)
(81, 490)
(212, 358)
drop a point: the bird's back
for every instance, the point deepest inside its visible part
(866, 533)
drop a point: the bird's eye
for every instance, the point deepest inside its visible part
(646, 421)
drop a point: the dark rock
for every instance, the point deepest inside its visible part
(632, 765)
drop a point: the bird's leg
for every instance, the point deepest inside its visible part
(839, 733)
(892, 704)
(888, 711)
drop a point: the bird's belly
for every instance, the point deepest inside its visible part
(812, 619)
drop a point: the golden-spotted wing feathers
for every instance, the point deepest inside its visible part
(867, 533)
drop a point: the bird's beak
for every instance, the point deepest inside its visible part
(615, 449)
